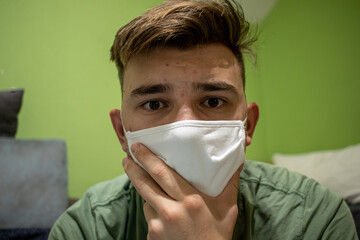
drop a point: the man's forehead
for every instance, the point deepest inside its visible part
(184, 57)
(211, 62)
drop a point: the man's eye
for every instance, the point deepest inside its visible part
(153, 105)
(213, 102)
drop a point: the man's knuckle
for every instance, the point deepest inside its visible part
(160, 171)
(170, 215)
(194, 202)
(155, 228)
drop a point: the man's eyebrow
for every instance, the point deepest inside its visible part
(150, 89)
(215, 86)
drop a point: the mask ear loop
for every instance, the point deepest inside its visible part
(123, 126)
(122, 121)
(245, 122)
(244, 127)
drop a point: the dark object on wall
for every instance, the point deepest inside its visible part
(10, 104)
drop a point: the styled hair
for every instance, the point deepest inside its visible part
(184, 24)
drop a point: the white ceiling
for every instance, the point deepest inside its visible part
(256, 10)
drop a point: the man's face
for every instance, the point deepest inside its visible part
(169, 85)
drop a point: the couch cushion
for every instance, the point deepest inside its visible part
(339, 170)
(33, 182)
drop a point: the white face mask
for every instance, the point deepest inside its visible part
(205, 153)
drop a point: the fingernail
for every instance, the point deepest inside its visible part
(135, 147)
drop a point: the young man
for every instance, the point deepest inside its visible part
(184, 125)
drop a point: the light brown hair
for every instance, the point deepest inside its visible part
(183, 24)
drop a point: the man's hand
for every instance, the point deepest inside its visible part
(173, 208)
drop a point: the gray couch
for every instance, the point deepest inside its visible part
(33, 177)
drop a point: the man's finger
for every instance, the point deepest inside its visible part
(169, 180)
(144, 184)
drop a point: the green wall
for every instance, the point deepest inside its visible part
(306, 80)
(59, 52)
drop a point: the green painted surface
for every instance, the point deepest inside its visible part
(59, 52)
(306, 80)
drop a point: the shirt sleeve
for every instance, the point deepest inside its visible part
(342, 225)
(76, 223)
(327, 216)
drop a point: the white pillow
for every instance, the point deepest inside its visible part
(339, 170)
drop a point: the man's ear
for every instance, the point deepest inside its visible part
(252, 119)
(118, 127)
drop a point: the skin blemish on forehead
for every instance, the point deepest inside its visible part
(182, 94)
(167, 64)
(195, 72)
(225, 63)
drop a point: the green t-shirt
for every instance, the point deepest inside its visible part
(273, 203)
